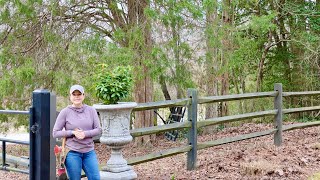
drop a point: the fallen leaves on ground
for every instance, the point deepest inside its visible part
(257, 158)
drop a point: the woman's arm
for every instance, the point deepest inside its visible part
(96, 127)
(60, 123)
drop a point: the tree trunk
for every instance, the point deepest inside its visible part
(164, 87)
(227, 22)
(211, 64)
(143, 82)
(261, 63)
(297, 70)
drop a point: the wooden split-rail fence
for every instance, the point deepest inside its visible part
(192, 123)
(43, 113)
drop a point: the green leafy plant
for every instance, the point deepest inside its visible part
(113, 84)
(172, 177)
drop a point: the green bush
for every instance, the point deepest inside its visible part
(113, 85)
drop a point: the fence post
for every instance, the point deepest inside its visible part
(192, 134)
(278, 116)
(41, 141)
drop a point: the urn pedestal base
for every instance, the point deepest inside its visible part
(115, 121)
(125, 175)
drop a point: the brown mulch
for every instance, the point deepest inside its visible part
(258, 158)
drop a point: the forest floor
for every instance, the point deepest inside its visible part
(297, 158)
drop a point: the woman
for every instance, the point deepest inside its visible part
(79, 123)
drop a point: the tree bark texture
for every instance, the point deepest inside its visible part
(143, 86)
(226, 42)
(211, 64)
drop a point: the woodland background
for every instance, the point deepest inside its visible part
(216, 46)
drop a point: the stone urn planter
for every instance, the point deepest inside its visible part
(115, 121)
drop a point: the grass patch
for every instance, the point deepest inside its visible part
(259, 167)
(315, 146)
(315, 176)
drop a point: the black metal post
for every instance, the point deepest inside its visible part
(192, 134)
(3, 153)
(40, 137)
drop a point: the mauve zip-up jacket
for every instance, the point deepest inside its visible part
(84, 118)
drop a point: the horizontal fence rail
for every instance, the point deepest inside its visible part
(235, 138)
(158, 155)
(212, 99)
(302, 109)
(304, 93)
(162, 104)
(158, 129)
(21, 161)
(14, 112)
(3, 139)
(300, 125)
(7, 168)
(227, 119)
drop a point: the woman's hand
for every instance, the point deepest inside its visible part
(78, 133)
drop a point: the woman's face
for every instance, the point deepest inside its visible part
(76, 98)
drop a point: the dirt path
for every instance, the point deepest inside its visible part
(297, 158)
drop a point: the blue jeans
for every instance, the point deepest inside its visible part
(76, 161)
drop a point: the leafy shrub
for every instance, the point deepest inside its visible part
(113, 85)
